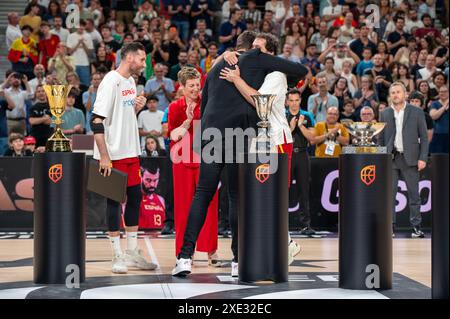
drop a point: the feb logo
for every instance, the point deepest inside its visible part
(262, 173)
(368, 174)
(55, 173)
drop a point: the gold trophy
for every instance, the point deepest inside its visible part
(363, 134)
(57, 95)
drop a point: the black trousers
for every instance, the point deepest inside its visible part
(209, 178)
(300, 171)
(224, 221)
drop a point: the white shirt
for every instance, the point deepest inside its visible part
(412, 24)
(34, 83)
(226, 10)
(95, 36)
(19, 97)
(276, 83)
(115, 102)
(330, 10)
(151, 121)
(398, 141)
(12, 33)
(80, 56)
(62, 33)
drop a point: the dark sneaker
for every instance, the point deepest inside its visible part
(417, 233)
(167, 230)
(308, 231)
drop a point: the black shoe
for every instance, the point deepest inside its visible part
(167, 230)
(223, 232)
(308, 231)
(417, 233)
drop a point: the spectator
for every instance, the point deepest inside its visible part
(230, 30)
(93, 33)
(429, 70)
(182, 62)
(330, 135)
(420, 63)
(366, 96)
(174, 45)
(95, 11)
(424, 89)
(347, 29)
(128, 38)
(89, 99)
(332, 12)
(348, 112)
(58, 29)
(47, 44)
(428, 29)
(145, 11)
(201, 10)
(61, 63)
(16, 116)
(403, 54)
(40, 118)
(16, 146)
(29, 143)
(6, 104)
(329, 72)
(358, 45)
(73, 79)
(310, 59)
(23, 53)
(227, 6)
(352, 82)
(13, 31)
(340, 53)
(287, 53)
(359, 9)
(439, 79)
(399, 37)
(179, 11)
(202, 34)
(319, 103)
(296, 37)
(296, 17)
(153, 147)
(53, 11)
(73, 118)
(319, 37)
(160, 86)
(32, 20)
(340, 90)
(405, 78)
(367, 114)
(417, 99)
(101, 61)
(412, 21)
(80, 46)
(381, 76)
(253, 13)
(83, 12)
(207, 63)
(439, 113)
(39, 79)
(150, 122)
(108, 39)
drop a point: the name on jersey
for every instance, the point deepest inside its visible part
(154, 207)
(128, 92)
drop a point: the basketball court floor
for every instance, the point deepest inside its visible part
(313, 275)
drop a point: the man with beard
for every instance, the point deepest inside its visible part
(153, 205)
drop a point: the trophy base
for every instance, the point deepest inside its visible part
(364, 150)
(263, 145)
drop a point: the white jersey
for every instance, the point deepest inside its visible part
(276, 83)
(115, 102)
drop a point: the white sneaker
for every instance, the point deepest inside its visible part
(135, 258)
(182, 268)
(294, 249)
(119, 265)
(234, 269)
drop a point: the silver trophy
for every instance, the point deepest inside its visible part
(362, 137)
(263, 143)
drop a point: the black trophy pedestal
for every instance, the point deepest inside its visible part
(440, 239)
(263, 220)
(59, 217)
(365, 221)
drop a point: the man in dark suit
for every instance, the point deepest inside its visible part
(405, 136)
(223, 107)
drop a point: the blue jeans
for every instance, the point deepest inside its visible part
(183, 29)
(84, 73)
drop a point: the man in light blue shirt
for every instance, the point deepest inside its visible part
(161, 87)
(319, 103)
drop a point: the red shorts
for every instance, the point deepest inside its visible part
(132, 167)
(287, 148)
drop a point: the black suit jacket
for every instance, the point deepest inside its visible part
(222, 105)
(414, 133)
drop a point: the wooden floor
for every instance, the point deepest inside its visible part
(412, 257)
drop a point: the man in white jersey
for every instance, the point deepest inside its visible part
(116, 135)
